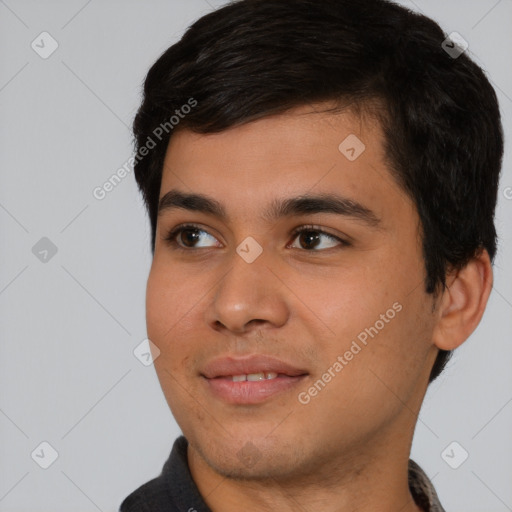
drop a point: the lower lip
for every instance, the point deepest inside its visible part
(251, 392)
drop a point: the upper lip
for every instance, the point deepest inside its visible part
(258, 363)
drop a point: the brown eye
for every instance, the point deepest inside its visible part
(310, 238)
(186, 237)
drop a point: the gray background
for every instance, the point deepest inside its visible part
(69, 324)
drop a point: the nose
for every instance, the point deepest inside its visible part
(249, 296)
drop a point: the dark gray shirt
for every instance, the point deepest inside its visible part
(175, 491)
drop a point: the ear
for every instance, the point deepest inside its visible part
(463, 302)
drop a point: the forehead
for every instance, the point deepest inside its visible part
(294, 135)
(303, 151)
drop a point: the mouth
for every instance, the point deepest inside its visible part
(250, 380)
(254, 377)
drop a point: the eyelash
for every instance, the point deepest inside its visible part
(170, 238)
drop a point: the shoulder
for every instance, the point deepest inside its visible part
(422, 490)
(169, 491)
(152, 496)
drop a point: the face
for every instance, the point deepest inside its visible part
(290, 338)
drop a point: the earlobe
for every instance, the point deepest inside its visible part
(463, 302)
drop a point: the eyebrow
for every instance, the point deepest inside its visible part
(278, 208)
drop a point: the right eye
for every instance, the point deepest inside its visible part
(185, 236)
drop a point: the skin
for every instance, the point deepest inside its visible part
(348, 448)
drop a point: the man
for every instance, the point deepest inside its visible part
(321, 179)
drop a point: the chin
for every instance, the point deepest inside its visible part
(252, 458)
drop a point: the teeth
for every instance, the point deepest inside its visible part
(253, 377)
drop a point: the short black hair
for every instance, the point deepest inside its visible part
(255, 58)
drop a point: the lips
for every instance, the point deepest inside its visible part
(250, 380)
(255, 364)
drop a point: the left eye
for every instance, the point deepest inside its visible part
(184, 238)
(312, 236)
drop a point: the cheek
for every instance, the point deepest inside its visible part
(158, 301)
(382, 327)
(397, 358)
(350, 302)
(169, 301)
(166, 316)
